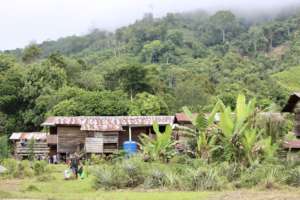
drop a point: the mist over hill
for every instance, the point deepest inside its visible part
(52, 19)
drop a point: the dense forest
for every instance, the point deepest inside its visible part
(152, 67)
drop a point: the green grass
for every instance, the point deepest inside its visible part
(289, 79)
(61, 189)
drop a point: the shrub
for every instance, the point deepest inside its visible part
(231, 171)
(97, 159)
(24, 168)
(173, 180)
(203, 179)
(127, 173)
(155, 179)
(39, 167)
(32, 188)
(134, 170)
(17, 169)
(12, 167)
(269, 175)
(109, 177)
(180, 159)
(293, 177)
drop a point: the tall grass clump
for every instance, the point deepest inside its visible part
(108, 177)
(156, 178)
(293, 177)
(268, 175)
(124, 174)
(134, 169)
(204, 179)
(17, 169)
(40, 167)
(12, 167)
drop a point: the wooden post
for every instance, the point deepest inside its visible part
(129, 133)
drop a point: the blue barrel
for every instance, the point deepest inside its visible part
(130, 147)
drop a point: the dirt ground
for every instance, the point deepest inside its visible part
(259, 195)
(10, 185)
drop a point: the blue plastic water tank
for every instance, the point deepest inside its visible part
(130, 147)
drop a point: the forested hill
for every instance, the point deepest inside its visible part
(154, 66)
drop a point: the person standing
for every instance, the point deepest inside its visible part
(74, 165)
(54, 159)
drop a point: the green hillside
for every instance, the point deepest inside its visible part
(154, 66)
(289, 79)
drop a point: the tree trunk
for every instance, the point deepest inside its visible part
(255, 47)
(271, 43)
(223, 35)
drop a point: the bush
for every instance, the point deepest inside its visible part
(39, 167)
(12, 167)
(269, 175)
(232, 171)
(174, 180)
(109, 177)
(32, 188)
(134, 170)
(180, 159)
(128, 173)
(293, 177)
(155, 179)
(97, 159)
(203, 179)
(25, 170)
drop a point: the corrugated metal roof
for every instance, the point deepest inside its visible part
(28, 136)
(295, 144)
(15, 136)
(108, 123)
(101, 127)
(182, 117)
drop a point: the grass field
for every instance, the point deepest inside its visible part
(289, 79)
(60, 189)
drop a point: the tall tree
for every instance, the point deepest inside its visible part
(31, 53)
(225, 22)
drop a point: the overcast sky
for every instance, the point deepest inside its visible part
(23, 21)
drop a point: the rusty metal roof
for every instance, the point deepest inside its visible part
(183, 118)
(28, 136)
(293, 100)
(294, 144)
(109, 123)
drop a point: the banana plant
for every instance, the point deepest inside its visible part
(250, 145)
(161, 147)
(269, 148)
(206, 142)
(233, 126)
